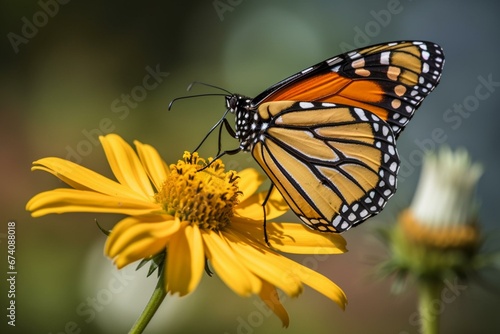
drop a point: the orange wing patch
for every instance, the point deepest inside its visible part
(334, 88)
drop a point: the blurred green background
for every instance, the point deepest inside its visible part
(67, 68)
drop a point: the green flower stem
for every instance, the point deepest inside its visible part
(154, 303)
(429, 294)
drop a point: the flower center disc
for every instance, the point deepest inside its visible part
(204, 197)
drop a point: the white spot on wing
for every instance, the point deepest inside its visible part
(306, 105)
(309, 69)
(336, 221)
(384, 58)
(361, 114)
(425, 67)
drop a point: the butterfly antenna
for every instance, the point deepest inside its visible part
(207, 85)
(191, 96)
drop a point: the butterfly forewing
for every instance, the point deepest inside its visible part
(390, 80)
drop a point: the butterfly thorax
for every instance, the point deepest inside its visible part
(247, 121)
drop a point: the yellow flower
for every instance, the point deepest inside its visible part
(193, 215)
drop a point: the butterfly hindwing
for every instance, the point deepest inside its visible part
(335, 165)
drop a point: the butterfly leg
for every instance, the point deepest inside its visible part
(229, 130)
(266, 238)
(219, 122)
(220, 155)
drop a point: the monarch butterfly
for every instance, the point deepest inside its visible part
(326, 136)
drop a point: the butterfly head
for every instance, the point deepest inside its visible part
(235, 102)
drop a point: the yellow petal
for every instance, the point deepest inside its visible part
(135, 238)
(110, 248)
(319, 283)
(293, 272)
(265, 263)
(294, 238)
(82, 178)
(71, 200)
(156, 168)
(125, 164)
(185, 260)
(250, 180)
(228, 266)
(252, 229)
(270, 297)
(298, 239)
(252, 206)
(133, 228)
